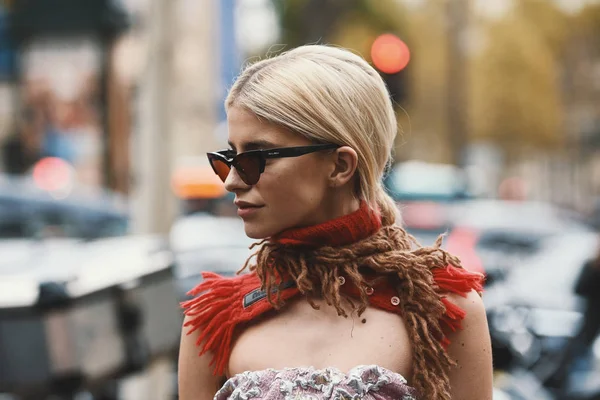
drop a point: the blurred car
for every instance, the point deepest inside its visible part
(200, 190)
(426, 194)
(496, 236)
(425, 220)
(28, 211)
(422, 181)
(546, 279)
(534, 312)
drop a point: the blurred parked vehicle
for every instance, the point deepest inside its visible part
(534, 312)
(426, 220)
(422, 181)
(426, 194)
(497, 236)
(29, 211)
(199, 190)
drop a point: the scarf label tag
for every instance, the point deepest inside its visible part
(257, 294)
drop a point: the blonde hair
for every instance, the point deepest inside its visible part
(331, 95)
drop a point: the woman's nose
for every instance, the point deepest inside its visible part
(233, 182)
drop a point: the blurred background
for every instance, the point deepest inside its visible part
(109, 211)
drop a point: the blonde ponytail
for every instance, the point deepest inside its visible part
(390, 214)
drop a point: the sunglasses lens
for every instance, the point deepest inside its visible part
(248, 167)
(220, 168)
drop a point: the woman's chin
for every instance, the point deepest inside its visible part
(256, 232)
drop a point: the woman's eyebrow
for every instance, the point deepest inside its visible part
(255, 145)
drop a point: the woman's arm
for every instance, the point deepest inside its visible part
(470, 347)
(195, 377)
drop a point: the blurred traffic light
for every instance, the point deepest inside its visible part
(390, 56)
(52, 174)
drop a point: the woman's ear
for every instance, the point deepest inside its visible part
(345, 163)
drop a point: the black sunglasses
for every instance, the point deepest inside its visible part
(250, 164)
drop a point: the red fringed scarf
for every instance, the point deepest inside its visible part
(223, 304)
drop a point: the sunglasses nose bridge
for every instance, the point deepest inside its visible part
(261, 165)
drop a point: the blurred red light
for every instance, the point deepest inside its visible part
(51, 174)
(389, 54)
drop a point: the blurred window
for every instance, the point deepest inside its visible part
(510, 242)
(14, 230)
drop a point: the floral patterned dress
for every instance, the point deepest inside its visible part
(369, 382)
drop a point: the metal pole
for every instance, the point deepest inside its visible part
(162, 101)
(152, 204)
(229, 56)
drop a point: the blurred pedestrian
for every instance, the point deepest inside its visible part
(57, 142)
(340, 302)
(587, 286)
(23, 147)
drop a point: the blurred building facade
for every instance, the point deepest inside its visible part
(123, 112)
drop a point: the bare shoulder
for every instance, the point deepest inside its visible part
(196, 380)
(471, 349)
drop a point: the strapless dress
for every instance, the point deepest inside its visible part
(369, 382)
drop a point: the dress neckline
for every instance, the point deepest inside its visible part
(311, 369)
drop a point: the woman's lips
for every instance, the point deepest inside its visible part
(247, 211)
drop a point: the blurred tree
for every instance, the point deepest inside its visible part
(427, 92)
(588, 20)
(581, 63)
(319, 21)
(515, 85)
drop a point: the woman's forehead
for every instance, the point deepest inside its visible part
(246, 131)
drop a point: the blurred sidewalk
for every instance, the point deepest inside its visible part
(156, 383)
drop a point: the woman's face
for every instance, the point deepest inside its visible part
(291, 192)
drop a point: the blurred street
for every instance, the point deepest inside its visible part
(110, 212)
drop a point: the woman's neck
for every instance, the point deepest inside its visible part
(339, 208)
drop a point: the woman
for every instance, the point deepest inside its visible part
(339, 302)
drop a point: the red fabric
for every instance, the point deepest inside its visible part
(218, 307)
(341, 231)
